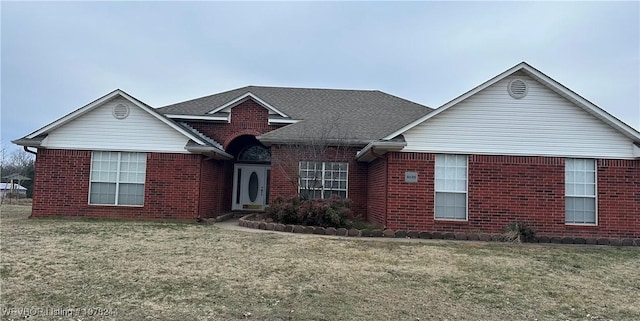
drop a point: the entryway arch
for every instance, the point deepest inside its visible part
(251, 173)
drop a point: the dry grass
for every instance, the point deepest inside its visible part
(178, 271)
(17, 201)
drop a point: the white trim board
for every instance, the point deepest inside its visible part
(196, 117)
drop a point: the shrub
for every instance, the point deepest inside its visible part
(332, 212)
(518, 232)
(284, 211)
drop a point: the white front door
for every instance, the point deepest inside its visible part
(250, 187)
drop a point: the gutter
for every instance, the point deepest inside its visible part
(311, 141)
(378, 148)
(30, 142)
(210, 151)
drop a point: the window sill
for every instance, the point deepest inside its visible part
(450, 220)
(581, 224)
(115, 205)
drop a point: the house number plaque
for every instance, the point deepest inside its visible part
(410, 177)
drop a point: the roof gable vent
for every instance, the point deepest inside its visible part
(120, 111)
(518, 88)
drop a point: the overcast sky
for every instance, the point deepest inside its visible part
(57, 57)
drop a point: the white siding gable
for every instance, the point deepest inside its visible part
(98, 129)
(542, 123)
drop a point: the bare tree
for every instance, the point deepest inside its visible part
(3, 157)
(18, 162)
(327, 141)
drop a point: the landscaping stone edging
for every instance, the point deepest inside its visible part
(387, 233)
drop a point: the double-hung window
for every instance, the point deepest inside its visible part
(323, 179)
(451, 187)
(117, 178)
(580, 191)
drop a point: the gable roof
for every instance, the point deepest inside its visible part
(546, 81)
(97, 103)
(17, 176)
(36, 138)
(355, 116)
(245, 97)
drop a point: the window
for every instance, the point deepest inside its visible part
(451, 187)
(255, 153)
(322, 179)
(117, 178)
(580, 191)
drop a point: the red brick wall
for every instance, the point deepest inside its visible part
(377, 192)
(410, 205)
(172, 187)
(210, 196)
(215, 190)
(61, 184)
(504, 189)
(357, 190)
(247, 118)
(284, 168)
(618, 198)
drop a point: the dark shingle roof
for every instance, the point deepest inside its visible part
(356, 115)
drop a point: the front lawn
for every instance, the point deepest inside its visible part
(132, 270)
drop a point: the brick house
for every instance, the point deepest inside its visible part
(519, 147)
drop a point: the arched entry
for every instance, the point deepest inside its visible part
(251, 173)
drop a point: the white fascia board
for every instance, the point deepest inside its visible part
(368, 154)
(29, 142)
(210, 151)
(98, 102)
(125, 149)
(242, 98)
(364, 150)
(492, 153)
(283, 121)
(197, 117)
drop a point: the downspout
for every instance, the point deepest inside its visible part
(200, 188)
(26, 149)
(386, 191)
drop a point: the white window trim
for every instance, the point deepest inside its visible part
(466, 205)
(595, 196)
(322, 189)
(117, 182)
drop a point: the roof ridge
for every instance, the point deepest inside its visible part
(311, 88)
(203, 97)
(407, 100)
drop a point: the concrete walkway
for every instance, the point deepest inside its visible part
(233, 224)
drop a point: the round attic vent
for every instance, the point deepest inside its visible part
(518, 88)
(120, 111)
